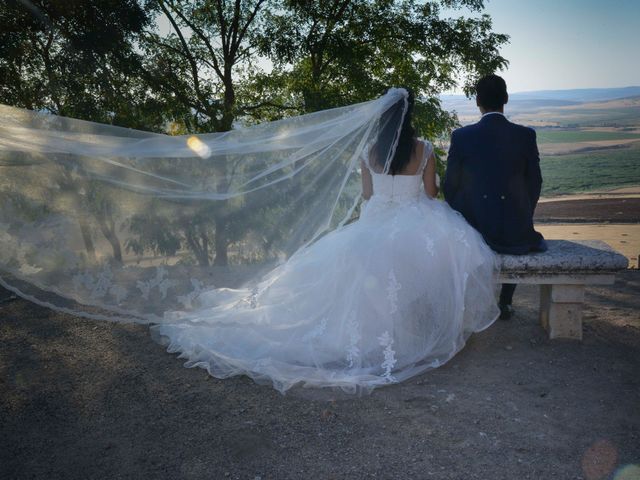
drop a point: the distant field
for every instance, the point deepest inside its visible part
(591, 171)
(580, 117)
(591, 143)
(577, 136)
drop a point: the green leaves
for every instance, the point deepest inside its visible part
(72, 58)
(204, 65)
(330, 54)
(195, 66)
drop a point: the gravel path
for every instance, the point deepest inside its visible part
(83, 399)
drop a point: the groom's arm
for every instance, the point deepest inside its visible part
(453, 174)
(534, 175)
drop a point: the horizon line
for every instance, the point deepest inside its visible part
(555, 90)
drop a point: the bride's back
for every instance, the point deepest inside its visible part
(413, 167)
(407, 185)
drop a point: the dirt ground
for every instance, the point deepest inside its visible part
(614, 210)
(82, 399)
(612, 216)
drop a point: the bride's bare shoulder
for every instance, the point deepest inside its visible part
(418, 149)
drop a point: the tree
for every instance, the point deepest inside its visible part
(199, 64)
(78, 59)
(206, 75)
(71, 58)
(202, 60)
(341, 52)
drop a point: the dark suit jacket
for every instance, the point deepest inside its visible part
(493, 179)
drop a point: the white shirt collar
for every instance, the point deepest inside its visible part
(493, 113)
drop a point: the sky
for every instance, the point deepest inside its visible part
(564, 44)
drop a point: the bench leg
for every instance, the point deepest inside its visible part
(561, 310)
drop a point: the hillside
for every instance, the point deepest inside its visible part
(589, 139)
(583, 107)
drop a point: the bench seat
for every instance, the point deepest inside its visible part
(562, 273)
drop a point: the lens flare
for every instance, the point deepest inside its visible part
(199, 147)
(599, 460)
(628, 472)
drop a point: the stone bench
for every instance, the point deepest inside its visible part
(562, 272)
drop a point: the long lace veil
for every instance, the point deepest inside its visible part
(117, 224)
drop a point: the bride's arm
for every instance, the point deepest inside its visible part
(429, 177)
(367, 183)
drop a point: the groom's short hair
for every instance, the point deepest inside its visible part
(491, 92)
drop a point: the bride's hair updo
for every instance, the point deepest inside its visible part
(403, 152)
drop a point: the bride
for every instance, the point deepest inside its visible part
(374, 302)
(350, 305)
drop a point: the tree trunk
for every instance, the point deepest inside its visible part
(67, 182)
(110, 234)
(108, 229)
(115, 244)
(221, 239)
(221, 243)
(200, 251)
(88, 241)
(228, 114)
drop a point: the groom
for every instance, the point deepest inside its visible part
(493, 179)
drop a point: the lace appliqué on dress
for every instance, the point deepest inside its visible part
(461, 236)
(389, 356)
(392, 292)
(100, 285)
(159, 281)
(119, 292)
(353, 352)
(103, 282)
(429, 244)
(187, 300)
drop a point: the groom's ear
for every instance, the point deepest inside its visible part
(506, 98)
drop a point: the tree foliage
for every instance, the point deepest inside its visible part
(204, 58)
(339, 52)
(193, 66)
(74, 59)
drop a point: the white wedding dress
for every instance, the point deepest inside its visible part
(372, 303)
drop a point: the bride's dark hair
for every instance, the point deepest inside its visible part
(402, 155)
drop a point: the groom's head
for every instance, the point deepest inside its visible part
(491, 94)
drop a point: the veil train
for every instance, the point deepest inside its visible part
(118, 224)
(237, 247)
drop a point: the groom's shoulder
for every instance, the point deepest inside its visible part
(523, 129)
(462, 131)
(479, 128)
(468, 134)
